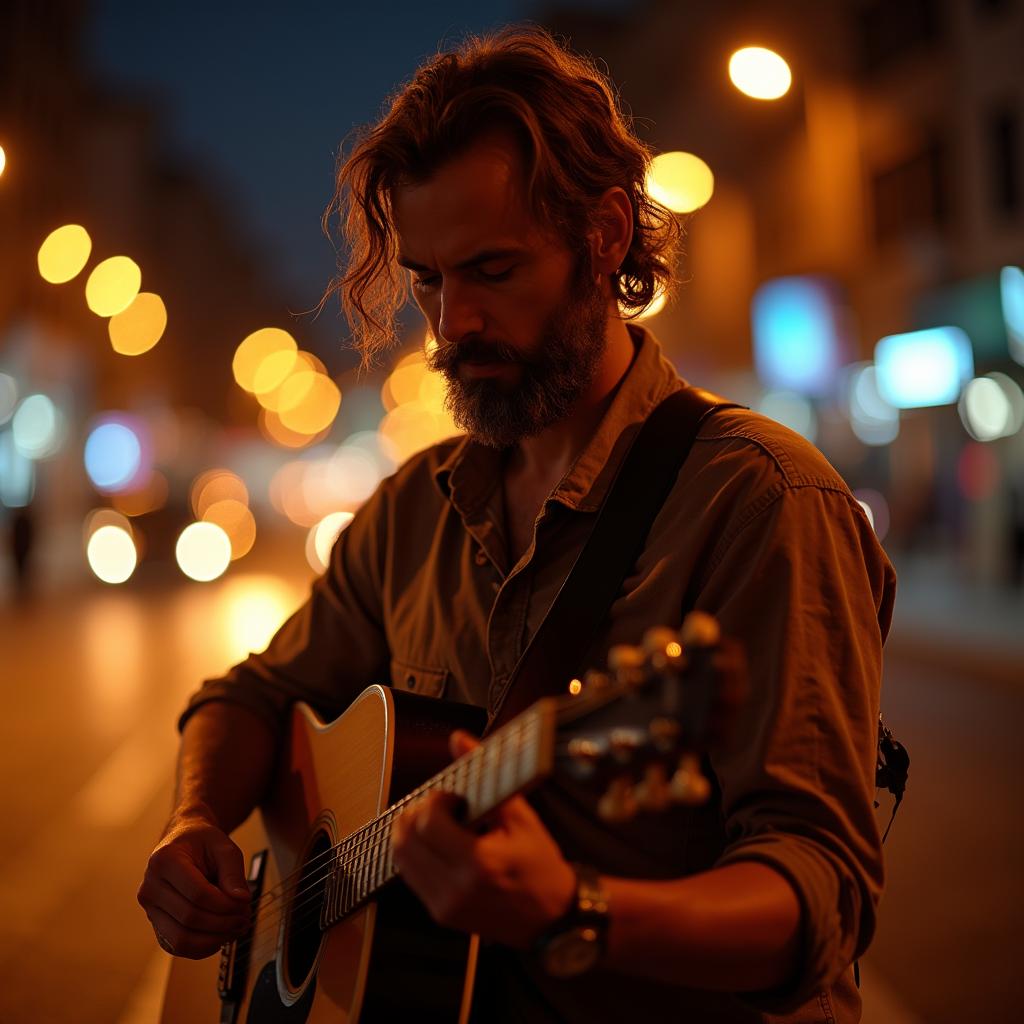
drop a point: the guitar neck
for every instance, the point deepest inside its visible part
(513, 759)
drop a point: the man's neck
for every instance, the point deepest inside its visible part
(545, 457)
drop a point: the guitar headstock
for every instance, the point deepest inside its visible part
(637, 729)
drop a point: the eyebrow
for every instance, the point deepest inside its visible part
(484, 256)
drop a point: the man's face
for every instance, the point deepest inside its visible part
(520, 321)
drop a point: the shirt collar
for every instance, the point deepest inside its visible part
(468, 476)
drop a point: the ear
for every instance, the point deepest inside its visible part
(613, 232)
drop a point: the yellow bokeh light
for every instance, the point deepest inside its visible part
(235, 519)
(321, 539)
(216, 485)
(289, 391)
(680, 181)
(139, 327)
(64, 253)
(403, 384)
(411, 427)
(760, 73)
(254, 349)
(104, 517)
(317, 408)
(111, 554)
(273, 371)
(203, 551)
(113, 285)
(3, 160)
(654, 307)
(253, 609)
(575, 687)
(274, 430)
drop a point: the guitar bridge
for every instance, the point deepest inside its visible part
(234, 956)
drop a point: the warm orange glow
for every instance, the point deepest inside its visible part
(575, 687)
(681, 181)
(403, 383)
(235, 519)
(139, 327)
(113, 285)
(272, 371)
(760, 73)
(64, 253)
(216, 485)
(111, 554)
(673, 649)
(287, 494)
(412, 427)
(203, 551)
(3, 160)
(316, 409)
(146, 499)
(657, 304)
(288, 391)
(274, 430)
(321, 539)
(251, 353)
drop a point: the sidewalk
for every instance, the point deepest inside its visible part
(943, 620)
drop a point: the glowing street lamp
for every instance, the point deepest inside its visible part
(760, 73)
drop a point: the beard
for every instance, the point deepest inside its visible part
(562, 366)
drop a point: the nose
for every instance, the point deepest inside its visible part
(461, 314)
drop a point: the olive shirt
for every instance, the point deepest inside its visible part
(758, 530)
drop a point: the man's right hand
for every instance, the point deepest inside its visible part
(194, 890)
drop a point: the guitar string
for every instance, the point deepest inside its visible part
(367, 839)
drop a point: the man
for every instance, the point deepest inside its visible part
(504, 180)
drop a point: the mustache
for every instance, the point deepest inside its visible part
(446, 357)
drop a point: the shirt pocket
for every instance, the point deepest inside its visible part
(430, 682)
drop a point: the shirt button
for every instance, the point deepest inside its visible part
(480, 557)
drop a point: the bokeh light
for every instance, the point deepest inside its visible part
(113, 456)
(681, 181)
(17, 474)
(923, 368)
(873, 420)
(105, 517)
(315, 408)
(64, 253)
(38, 427)
(8, 397)
(254, 608)
(203, 551)
(321, 539)
(797, 343)
(654, 307)
(235, 519)
(1011, 293)
(760, 73)
(791, 410)
(992, 407)
(254, 349)
(111, 554)
(216, 485)
(274, 430)
(139, 327)
(3, 160)
(148, 498)
(113, 285)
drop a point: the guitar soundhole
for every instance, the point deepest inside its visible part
(302, 928)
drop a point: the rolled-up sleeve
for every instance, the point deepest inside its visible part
(802, 581)
(333, 646)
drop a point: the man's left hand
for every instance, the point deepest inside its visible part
(507, 884)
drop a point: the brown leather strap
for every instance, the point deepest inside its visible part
(623, 522)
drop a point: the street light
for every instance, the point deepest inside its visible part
(760, 73)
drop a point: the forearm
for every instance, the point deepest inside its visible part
(734, 929)
(225, 763)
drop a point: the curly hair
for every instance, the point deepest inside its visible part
(576, 141)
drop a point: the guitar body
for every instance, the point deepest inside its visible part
(386, 959)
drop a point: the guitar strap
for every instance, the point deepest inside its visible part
(610, 552)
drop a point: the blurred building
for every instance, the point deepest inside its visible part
(893, 170)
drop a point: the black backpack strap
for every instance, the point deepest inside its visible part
(612, 549)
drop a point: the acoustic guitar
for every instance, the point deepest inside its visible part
(335, 935)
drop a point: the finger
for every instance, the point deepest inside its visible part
(461, 742)
(180, 941)
(230, 868)
(167, 899)
(180, 872)
(435, 825)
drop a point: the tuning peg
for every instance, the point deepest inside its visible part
(618, 803)
(700, 630)
(654, 792)
(689, 784)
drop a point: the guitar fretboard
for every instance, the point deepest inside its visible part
(515, 757)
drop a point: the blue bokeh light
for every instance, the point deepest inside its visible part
(113, 455)
(797, 346)
(1011, 290)
(923, 368)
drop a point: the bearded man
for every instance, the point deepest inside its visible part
(506, 183)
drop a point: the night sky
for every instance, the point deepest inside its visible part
(259, 95)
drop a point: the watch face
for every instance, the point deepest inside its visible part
(572, 952)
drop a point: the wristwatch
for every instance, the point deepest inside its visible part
(575, 942)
